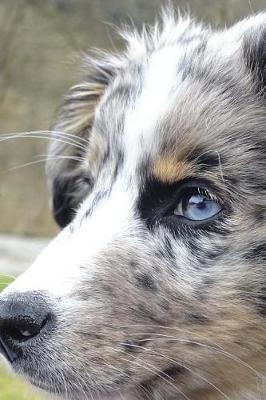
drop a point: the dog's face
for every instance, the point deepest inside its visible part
(156, 286)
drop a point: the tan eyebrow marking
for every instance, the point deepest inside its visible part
(170, 170)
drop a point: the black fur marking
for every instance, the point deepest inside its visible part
(262, 302)
(96, 200)
(155, 201)
(255, 55)
(133, 264)
(62, 207)
(101, 73)
(259, 215)
(168, 374)
(192, 318)
(168, 250)
(205, 159)
(105, 193)
(118, 165)
(68, 191)
(123, 379)
(145, 281)
(257, 253)
(172, 372)
(205, 257)
(146, 312)
(208, 282)
(165, 305)
(254, 293)
(133, 346)
(202, 292)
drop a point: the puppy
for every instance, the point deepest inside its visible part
(156, 286)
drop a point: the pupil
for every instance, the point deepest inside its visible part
(201, 205)
(198, 201)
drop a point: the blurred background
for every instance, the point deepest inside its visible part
(39, 44)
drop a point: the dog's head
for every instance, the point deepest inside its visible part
(156, 286)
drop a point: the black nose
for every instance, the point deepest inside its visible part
(22, 318)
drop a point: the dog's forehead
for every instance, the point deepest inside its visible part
(134, 114)
(169, 102)
(179, 104)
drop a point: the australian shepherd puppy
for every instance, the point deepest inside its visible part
(156, 286)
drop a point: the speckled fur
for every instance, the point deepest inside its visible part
(148, 307)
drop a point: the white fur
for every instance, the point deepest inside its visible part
(152, 104)
(61, 265)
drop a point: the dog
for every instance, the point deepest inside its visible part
(155, 288)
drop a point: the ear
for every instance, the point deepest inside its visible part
(68, 180)
(254, 40)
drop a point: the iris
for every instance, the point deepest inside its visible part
(197, 206)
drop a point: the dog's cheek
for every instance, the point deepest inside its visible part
(134, 311)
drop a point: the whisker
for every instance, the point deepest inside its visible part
(56, 139)
(158, 373)
(155, 370)
(132, 379)
(20, 166)
(181, 364)
(50, 156)
(37, 133)
(51, 133)
(69, 142)
(218, 348)
(227, 354)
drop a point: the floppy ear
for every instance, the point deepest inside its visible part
(255, 50)
(68, 180)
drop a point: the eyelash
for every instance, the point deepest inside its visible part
(203, 188)
(200, 190)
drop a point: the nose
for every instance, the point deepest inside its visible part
(22, 318)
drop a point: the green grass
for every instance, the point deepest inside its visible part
(12, 388)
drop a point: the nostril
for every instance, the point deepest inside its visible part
(22, 328)
(22, 318)
(14, 333)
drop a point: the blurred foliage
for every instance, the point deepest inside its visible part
(39, 41)
(5, 281)
(13, 389)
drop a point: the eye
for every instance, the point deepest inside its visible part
(196, 204)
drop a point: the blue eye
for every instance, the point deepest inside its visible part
(197, 205)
